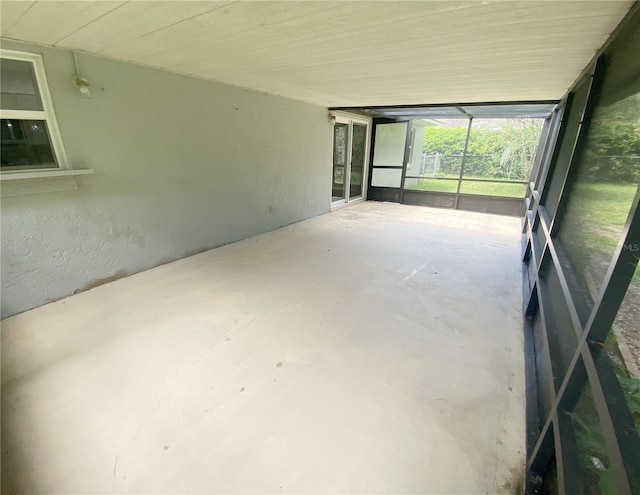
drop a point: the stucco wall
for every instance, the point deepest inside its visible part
(181, 165)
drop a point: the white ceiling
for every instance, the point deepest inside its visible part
(340, 53)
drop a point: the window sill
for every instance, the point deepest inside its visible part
(23, 182)
(42, 174)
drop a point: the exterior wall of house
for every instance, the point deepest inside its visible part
(181, 165)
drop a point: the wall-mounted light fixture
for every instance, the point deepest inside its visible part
(82, 83)
(332, 118)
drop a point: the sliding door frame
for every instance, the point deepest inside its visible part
(350, 119)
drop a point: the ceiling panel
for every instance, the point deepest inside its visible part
(190, 38)
(502, 111)
(340, 53)
(327, 36)
(49, 22)
(509, 111)
(11, 12)
(134, 20)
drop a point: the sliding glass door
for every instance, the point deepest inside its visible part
(340, 149)
(358, 151)
(350, 147)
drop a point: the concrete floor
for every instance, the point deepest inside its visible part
(375, 349)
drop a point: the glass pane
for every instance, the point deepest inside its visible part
(537, 234)
(623, 347)
(542, 239)
(544, 380)
(541, 151)
(339, 161)
(549, 484)
(441, 185)
(442, 148)
(502, 149)
(357, 159)
(572, 118)
(19, 89)
(386, 177)
(531, 269)
(597, 475)
(493, 189)
(25, 144)
(606, 183)
(415, 146)
(389, 147)
(563, 340)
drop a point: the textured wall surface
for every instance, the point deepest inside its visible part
(181, 165)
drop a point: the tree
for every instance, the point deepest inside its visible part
(612, 153)
(495, 153)
(521, 138)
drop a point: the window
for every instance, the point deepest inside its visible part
(30, 136)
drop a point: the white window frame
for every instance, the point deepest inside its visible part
(47, 114)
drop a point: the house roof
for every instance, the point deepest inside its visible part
(339, 53)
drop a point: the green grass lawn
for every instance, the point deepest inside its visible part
(493, 189)
(597, 213)
(469, 187)
(605, 204)
(432, 185)
(590, 232)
